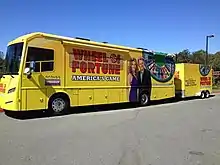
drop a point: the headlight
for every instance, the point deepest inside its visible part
(11, 90)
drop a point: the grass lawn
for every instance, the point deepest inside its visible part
(216, 88)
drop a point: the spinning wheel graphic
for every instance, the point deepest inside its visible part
(204, 70)
(162, 68)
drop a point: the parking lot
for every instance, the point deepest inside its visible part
(186, 132)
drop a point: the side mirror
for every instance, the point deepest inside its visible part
(28, 72)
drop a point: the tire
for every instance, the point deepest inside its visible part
(144, 99)
(202, 96)
(58, 105)
(207, 94)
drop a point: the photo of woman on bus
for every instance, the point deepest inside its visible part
(132, 80)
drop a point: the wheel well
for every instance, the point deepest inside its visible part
(145, 92)
(59, 94)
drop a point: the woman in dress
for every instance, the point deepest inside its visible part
(132, 80)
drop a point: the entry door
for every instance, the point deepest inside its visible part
(34, 89)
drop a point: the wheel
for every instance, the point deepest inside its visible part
(202, 95)
(144, 99)
(58, 105)
(207, 94)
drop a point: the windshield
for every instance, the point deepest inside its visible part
(13, 58)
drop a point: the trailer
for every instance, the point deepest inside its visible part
(193, 80)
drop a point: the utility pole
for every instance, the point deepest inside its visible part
(207, 46)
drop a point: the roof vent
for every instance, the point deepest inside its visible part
(80, 38)
(146, 50)
(105, 42)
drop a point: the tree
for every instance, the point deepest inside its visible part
(214, 60)
(198, 57)
(1, 60)
(1, 55)
(183, 56)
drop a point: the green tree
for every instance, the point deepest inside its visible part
(1, 61)
(198, 57)
(214, 60)
(183, 56)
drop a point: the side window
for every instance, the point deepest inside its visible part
(43, 59)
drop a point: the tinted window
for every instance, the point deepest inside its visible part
(39, 54)
(44, 59)
(13, 58)
(46, 66)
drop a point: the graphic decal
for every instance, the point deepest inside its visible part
(160, 67)
(139, 79)
(205, 81)
(190, 82)
(204, 69)
(95, 65)
(52, 80)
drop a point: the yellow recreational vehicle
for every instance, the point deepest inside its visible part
(46, 71)
(193, 80)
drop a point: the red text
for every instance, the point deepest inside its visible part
(95, 62)
(205, 80)
(89, 67)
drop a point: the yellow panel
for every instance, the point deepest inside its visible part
(74, 96)
(162, 93)
(36, 99)
(100, 96)
(86, 97)
(191, 83)
(23, 99)
(114, 95)
(124, 95)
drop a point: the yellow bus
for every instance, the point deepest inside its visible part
(47, 71)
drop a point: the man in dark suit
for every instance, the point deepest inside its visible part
(144, 78)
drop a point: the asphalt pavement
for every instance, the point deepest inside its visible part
(181, 133)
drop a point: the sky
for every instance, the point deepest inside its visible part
(160, 25)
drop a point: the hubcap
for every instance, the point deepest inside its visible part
(207, 94)
(144, 99)
(203, 95)
(58, 105)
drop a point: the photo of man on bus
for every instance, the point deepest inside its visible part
(144, 77)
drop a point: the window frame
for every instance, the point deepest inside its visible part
(40, 62)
